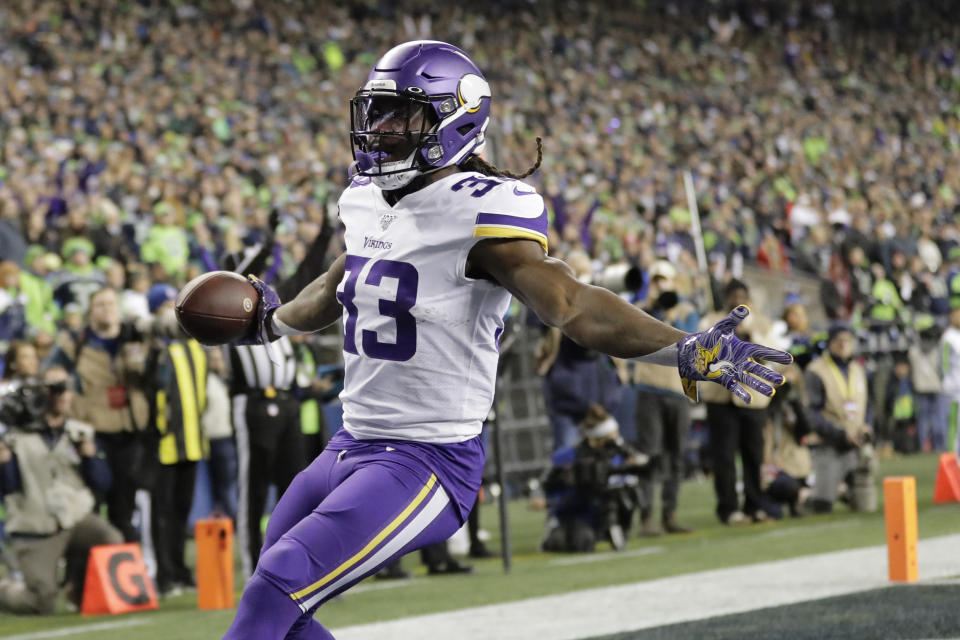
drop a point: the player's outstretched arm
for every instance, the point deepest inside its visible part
(591, 316)
(316, 306)
(598, 319)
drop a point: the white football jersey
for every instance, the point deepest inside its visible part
(950, 348)
(420, 338)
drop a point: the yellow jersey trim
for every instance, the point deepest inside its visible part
(510, 232)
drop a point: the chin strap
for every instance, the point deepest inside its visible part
(367, 160)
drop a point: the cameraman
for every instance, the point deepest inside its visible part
(836, 392)
(587, 493)
(49, 472)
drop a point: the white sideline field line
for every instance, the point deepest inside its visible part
(380, 586)
(654, 603)
(601, 557)
(72, 631)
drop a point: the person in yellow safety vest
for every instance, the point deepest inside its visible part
(836, 398)
(178, 401)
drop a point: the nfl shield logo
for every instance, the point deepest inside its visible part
(386, 220)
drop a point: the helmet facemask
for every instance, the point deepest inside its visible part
(389, 132)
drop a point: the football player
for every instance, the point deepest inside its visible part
(437, 242)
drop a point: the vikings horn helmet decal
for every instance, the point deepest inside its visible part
(424, 106)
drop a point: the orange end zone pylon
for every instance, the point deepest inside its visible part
(214, 539)
(947, 486)
(900, 509)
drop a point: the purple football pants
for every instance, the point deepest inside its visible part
(342, 518)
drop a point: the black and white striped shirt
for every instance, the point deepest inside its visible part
(253, 369)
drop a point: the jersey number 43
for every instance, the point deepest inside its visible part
(398, 308)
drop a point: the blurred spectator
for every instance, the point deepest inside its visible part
(735, 427)
(900, 407)
(133, 300)
(108, 358)
(786, 457)
(166, 243)
(836, 395)
(80, 278)
(950, 346)
(41, 312)
(218, 429)
(176, 378)
(20, 362)
(50, 470)
(573, 377)
(315, 390)
(663, 414)
(798, 339)
(439, 561)
(13, 304)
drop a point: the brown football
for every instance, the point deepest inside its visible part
(217, 307)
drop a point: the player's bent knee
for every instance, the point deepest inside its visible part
(288, 565)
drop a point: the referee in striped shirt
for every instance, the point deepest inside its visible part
(270, 444)
(271, 447)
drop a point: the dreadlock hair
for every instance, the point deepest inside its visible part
(478, 164)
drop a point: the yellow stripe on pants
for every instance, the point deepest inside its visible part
(390, 528)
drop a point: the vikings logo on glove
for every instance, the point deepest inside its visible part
(730, 361)
(706, 357)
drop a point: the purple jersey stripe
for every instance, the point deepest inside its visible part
(538, 224)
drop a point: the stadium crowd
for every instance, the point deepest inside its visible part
(144, 143)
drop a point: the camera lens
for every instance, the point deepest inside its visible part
(57, 388)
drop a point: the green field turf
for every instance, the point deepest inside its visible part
(711, 546)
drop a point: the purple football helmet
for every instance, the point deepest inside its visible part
(424, 106)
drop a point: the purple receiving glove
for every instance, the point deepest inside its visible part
(719, 356)
(269, 300)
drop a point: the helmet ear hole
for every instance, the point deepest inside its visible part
(464, 129)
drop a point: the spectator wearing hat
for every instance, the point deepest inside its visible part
(176, 387)
(836, 400)
(79, 278)
(41, 311)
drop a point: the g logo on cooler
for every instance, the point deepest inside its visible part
(247, 305)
